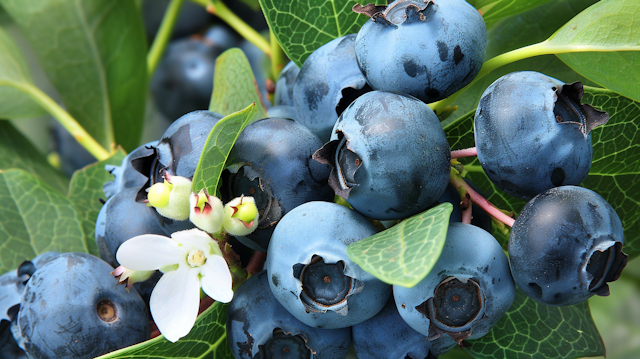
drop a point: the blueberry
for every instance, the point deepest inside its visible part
(183, 81)
(532, 133)
(390, 156)
(72, 155)
(178, 151)
(122, 218)
(328, 82)
(125, 176)
(277, 171)
(283, 111)
(565, 246)
(427, 49)
(221, 37)
(310, 272)
(73, 307)
(259, 327)
(466, 292)
(284, 85)
(192, 18)
(387, 335)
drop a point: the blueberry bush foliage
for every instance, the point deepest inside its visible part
(96, 57)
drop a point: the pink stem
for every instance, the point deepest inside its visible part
(476, 198)
(467, 152)
(466, 214)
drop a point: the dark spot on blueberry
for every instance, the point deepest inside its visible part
(411, 68)
(457, 54)
(275, 280)
(557, 177)
(443, 50)
(314, 93)
(537, 291)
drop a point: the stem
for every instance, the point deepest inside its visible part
(472, 168)
(221, 10)
(65, 119)
(466, 214)
(539, 49)
(467, 152)
(163, 35)
(277, 56)
(456, 180)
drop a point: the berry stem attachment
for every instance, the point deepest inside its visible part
(219, 9)
(164, 34)
(467, 152)
(233, 260)
(456, 180)
(65, 119)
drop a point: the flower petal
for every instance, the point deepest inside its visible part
(174, 302)
(194, 238)
(150, 252)
(216, 279)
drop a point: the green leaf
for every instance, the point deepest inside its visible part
(13, 68)
(85, 193)
(609, 26)
(615, 171)
(16, 151)
(35, 218)
(94, 53)
(532, 26)
(302, 26)
(217, 148)
(405, 253)
(234, 85)
(532, 330)
(207, 339)
(494, 10)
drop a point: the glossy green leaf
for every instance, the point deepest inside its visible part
(207, 339)
(530, 330)
(615, 171)
(17, 152)
(85, 192)
(494, 10)
(405, 253)
(94, 53)
(35, 218)
(234, 85)
(610, 26)
(13, 68)
(528, 28)
(217, 148)
(302, 26)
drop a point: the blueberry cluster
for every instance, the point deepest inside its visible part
(353, 126)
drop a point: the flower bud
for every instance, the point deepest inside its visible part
(240, 216)
(207, 212)
(171, 199)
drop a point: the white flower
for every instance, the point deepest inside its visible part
(190, 260)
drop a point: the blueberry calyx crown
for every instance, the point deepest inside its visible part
(344, 163)
(325, 286)
(455, 305)
(569, 109)
(285, 345)
(398, 12)
(605, 266)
